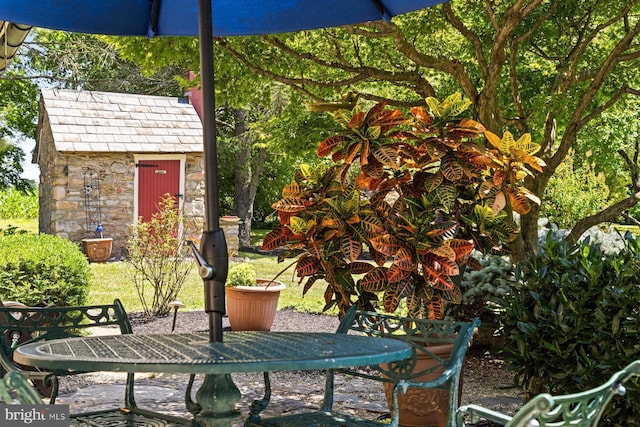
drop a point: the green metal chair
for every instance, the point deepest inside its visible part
(21, 325)
(544, 410)
(14, 389)
(401, 375)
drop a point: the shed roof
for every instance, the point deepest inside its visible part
(88, 121)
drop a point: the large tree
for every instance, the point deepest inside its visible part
(18, 111)
(258, 120)
(549, 67)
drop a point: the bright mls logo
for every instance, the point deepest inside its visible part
(34, 415)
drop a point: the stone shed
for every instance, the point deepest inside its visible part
(108, 158)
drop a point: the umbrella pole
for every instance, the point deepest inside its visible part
(218, 395)
(212, 244)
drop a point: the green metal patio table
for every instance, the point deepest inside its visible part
(192, 353)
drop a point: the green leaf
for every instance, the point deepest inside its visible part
(447, 194)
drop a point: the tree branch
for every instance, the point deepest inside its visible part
(578, 116)
(473, 39)
(521, 121)
(604, 215)
(452, 67)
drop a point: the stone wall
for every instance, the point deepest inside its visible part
(230, 228)
(63, 204)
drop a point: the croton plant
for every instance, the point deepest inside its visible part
(400, 203)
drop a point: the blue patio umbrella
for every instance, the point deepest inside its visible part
(203, 18)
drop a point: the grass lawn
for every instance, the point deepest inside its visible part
(113, 280)
(30, 225)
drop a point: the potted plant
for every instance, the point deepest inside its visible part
(98, 249)
(251, 302)
(400, 202)
(414, 192)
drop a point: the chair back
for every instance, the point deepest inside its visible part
(44, 323)
(578, 409)
(21, 324)
(425, 336)
(443, 343)
(570, 410)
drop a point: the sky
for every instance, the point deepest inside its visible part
(31, 171)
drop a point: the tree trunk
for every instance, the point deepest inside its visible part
(247, 176)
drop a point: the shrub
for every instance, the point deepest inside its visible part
(572, 320)
(415, 192)
(37, 268)
(483, 289)
(159, 257)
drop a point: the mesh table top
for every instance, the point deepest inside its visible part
(193, 353)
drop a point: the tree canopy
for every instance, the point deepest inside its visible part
(553, 68)
(563, 70)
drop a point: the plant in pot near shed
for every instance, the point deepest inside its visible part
(251, 302)
(98, 249)
(416, 193)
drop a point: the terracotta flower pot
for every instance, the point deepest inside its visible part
(98, 250)
(421, 407)
(253, 308)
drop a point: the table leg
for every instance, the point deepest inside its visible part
(217, 398)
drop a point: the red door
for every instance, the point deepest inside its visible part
(155, 179)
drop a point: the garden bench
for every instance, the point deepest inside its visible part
(419, 333)
(22, 325)
(544, 410)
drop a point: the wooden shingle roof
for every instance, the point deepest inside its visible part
(88, 121)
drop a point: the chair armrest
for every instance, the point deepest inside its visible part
(476, 412)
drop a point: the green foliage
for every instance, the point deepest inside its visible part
(18, 104)
(11, 156)
(416, 192)
(575, 192)
(37, 268)
(88, 62)
(17, 204)
(483, 289)
(572, 320)
(241, 274)
(111, 280)
(159, 256)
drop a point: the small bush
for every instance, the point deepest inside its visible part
(572, 320)
(37, 268)
(482, 289)
(160, 258)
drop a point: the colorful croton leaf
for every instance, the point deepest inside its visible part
(399, 204)
(513, 158)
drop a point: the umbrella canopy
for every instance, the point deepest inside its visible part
(180, 17)
(11, 36)
(204, 18)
